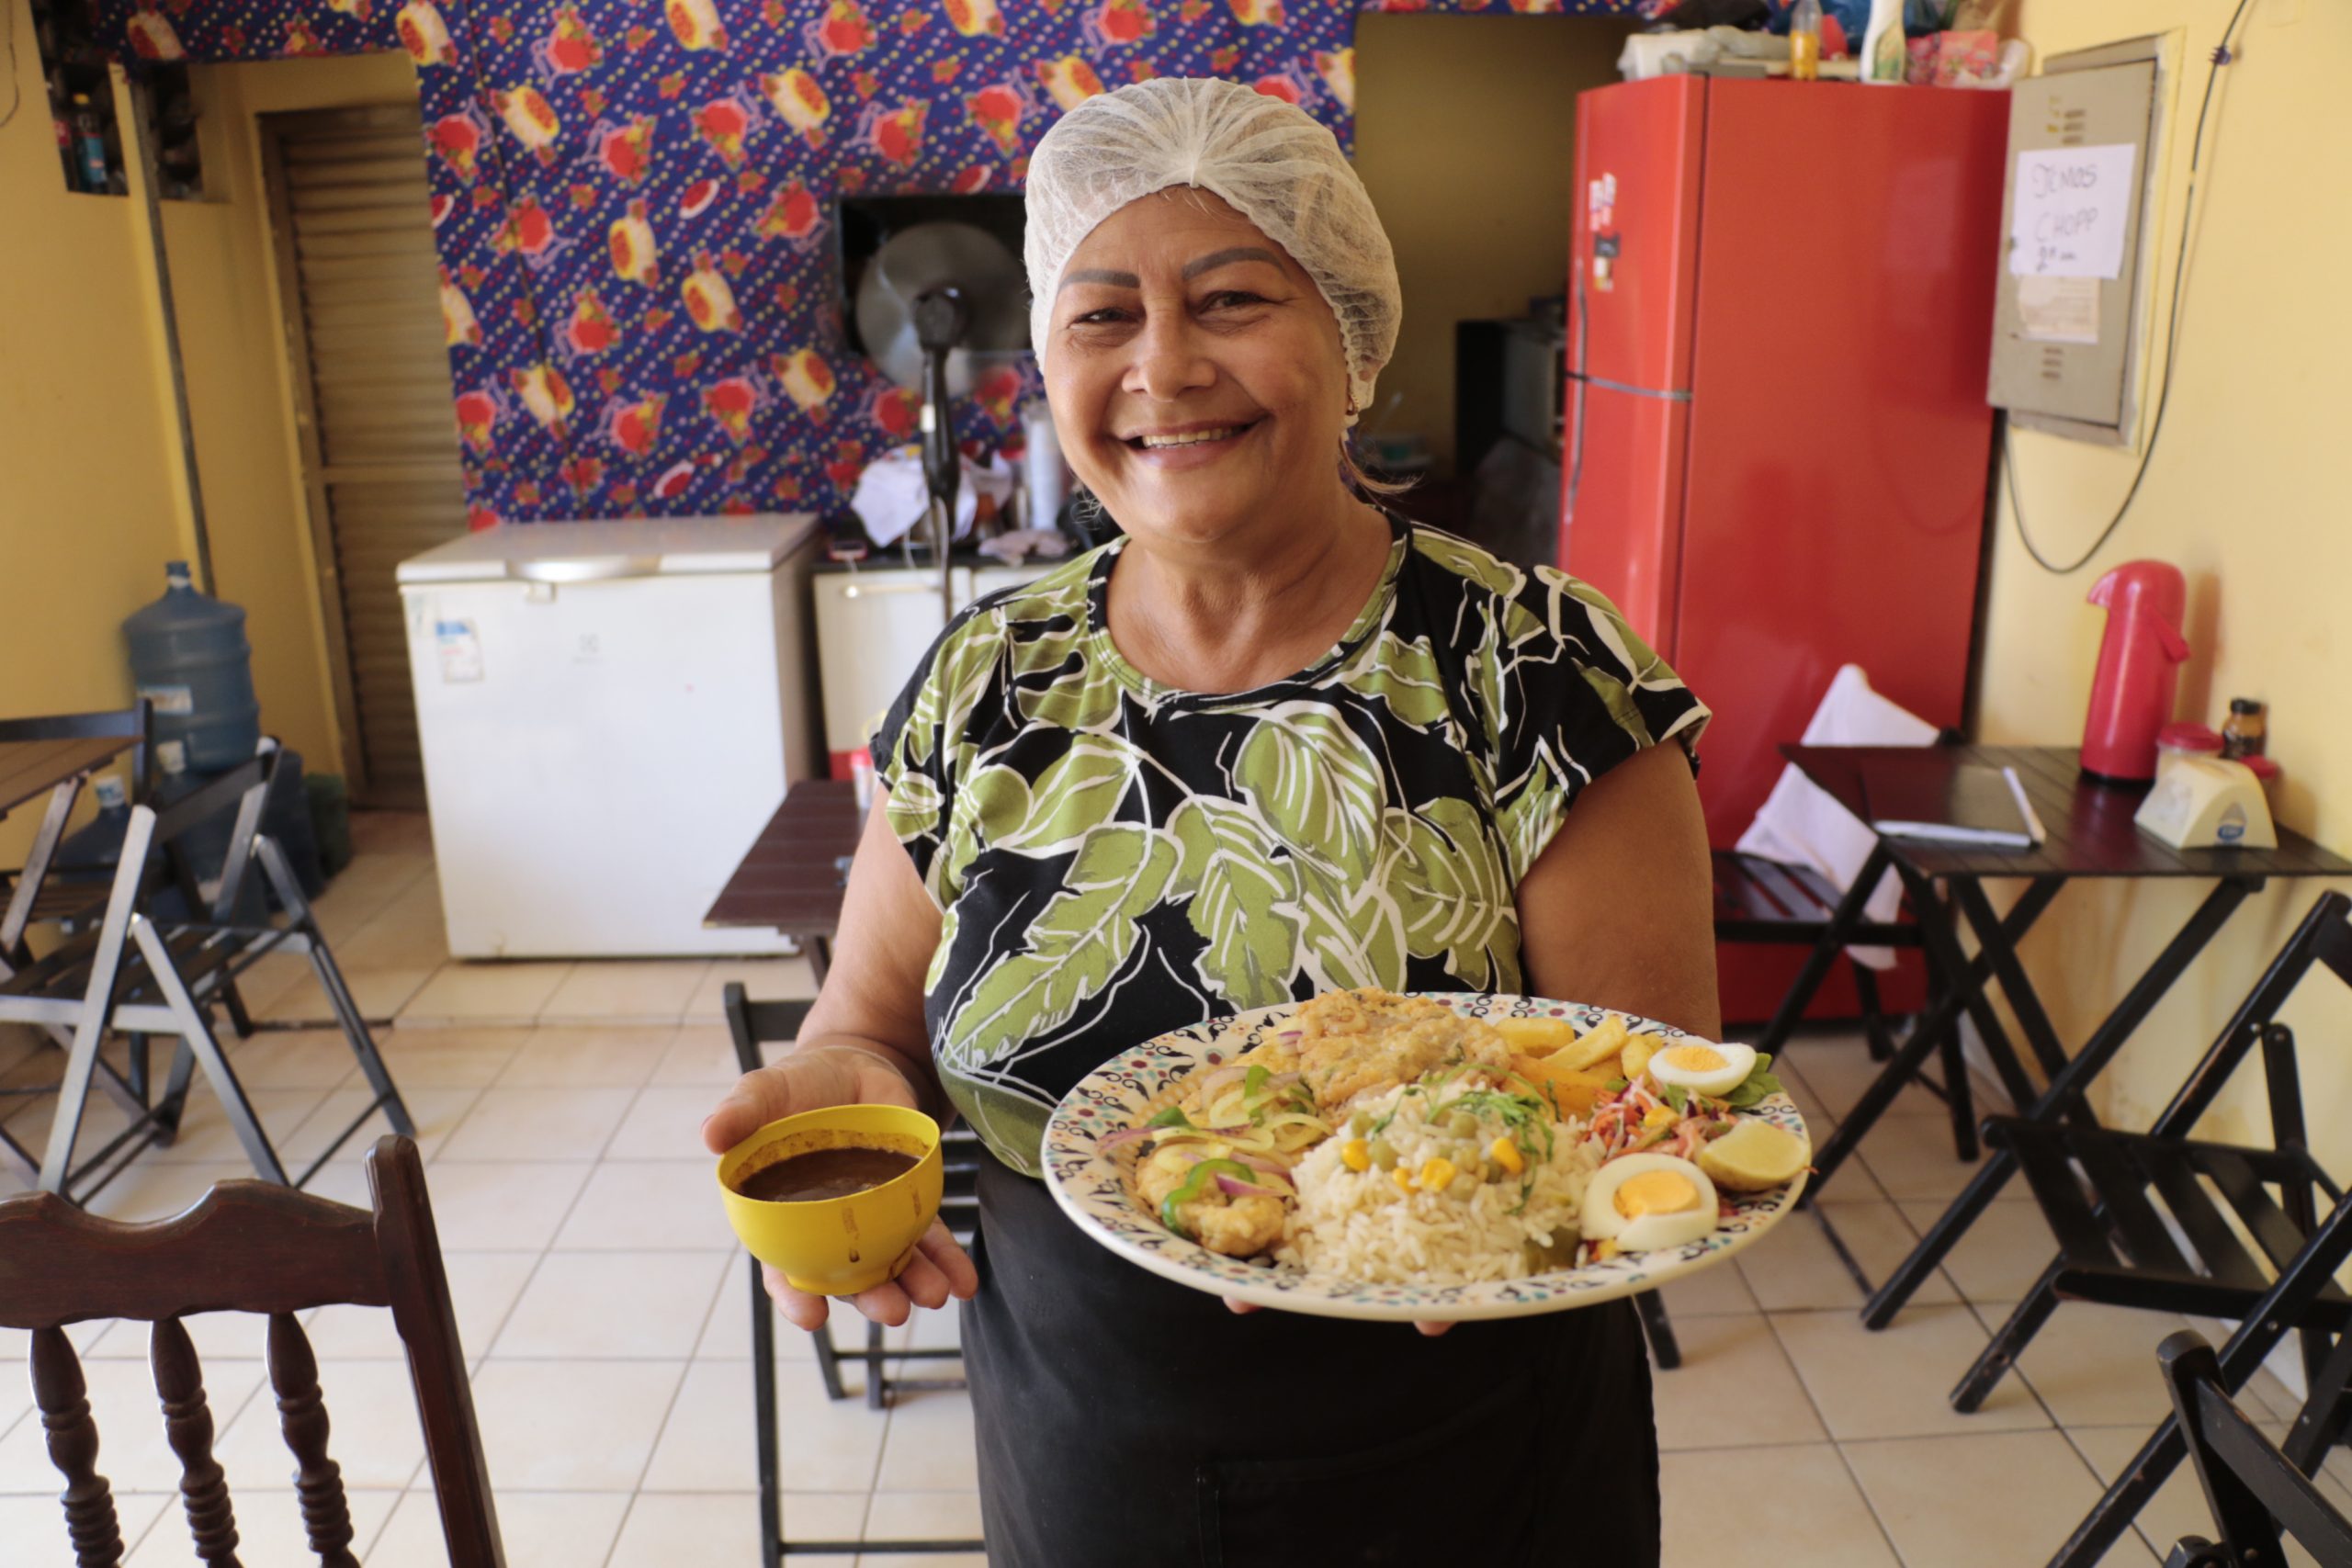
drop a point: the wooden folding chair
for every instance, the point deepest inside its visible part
(2255, 1491)
(247, 1246)
(139, 976)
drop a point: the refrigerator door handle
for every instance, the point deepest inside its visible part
(1604, 384)
(588, 568)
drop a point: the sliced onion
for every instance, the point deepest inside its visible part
(1280, 1079)
(1127, 1135)
(1232, 1072)
(1271, 1168)
(1289, 1033)
(1238, 1188)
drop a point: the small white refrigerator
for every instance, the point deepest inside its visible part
(610, 713)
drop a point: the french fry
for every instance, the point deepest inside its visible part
(1636, 1055)
(1574, 1089)
(1535, 1036)
(1596, 1047)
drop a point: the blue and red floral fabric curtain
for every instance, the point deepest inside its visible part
(632, 200)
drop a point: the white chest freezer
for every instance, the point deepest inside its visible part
(610, 712)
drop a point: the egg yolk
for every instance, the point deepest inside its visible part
(1654, 1193)
(1695, 1059)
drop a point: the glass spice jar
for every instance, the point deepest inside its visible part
(2242, 733)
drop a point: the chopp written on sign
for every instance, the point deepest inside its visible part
(2068, 211)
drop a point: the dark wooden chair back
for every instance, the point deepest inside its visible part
(2253, 1489)
(258, 1248)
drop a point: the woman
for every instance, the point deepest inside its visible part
(1271, 742)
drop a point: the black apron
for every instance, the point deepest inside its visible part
(1125, 1420)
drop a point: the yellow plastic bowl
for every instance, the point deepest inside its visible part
(838, 1247)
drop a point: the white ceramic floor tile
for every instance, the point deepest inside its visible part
(1735, 1389)
(1806, 1510)
(2000, 1255)
(824, 1445)
(931, 1447)
(654, 991)
(34, 1528)
(302, 1058)
(483, 1287)
(1912, 1158)
(540, 1530)
(700, 1053)
(367, 888)
(132, 1453)
(2096, 1365)
(537, 1123)
(392, 834)
(1838, 1069)
(612, 1304)
(372, 1430)
(484, 993)
(765, 979)
(1707, 1293)
(436, 1112)
(448, 1059)
(665, 1530)
(572, 1426)
(408, 934)
(1795, 1267)
(380, 994)
(206, 1137)
(1891, 1383)
(576, 1057)
(1979, 1499)
(501, 1206)
(923, 1515)
(648, 1206)
(666, 1122)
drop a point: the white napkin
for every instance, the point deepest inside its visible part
(892, 497)
(1802, 824)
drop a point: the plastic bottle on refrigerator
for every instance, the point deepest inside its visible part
(190, 660)
(1885, 56)
(89, 145)
(1804, 41)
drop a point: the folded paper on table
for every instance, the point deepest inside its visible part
(1802, 824)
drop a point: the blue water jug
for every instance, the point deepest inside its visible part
(189, 657)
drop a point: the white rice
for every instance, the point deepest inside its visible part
(1361, 1225)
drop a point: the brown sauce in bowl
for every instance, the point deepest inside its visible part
(824, 1173)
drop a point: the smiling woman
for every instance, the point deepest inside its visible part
(1272, 741)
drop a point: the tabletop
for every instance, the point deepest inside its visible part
(790, 879)
(33, 768)
(2088, 825)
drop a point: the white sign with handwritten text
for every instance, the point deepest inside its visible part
(2069, 210)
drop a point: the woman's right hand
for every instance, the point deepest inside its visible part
(811, 1081)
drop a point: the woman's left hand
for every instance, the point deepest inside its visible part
(1241, 1308)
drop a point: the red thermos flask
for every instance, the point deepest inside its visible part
(2139, 665)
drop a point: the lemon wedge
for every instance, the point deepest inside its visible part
(1754, 1155)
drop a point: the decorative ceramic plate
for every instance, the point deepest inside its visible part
(1096, 1188)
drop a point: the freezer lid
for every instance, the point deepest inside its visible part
(653, 546)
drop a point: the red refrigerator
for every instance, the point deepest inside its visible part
(1781, 300)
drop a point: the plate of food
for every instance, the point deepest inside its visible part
(1431, 1157)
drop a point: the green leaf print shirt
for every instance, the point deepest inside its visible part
(1115, 858)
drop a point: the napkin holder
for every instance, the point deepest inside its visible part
(2207, 803)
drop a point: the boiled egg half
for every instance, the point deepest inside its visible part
(1645, 1202)
(1702, 1068)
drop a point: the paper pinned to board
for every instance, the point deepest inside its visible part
(2058, 310)
(2068, 211)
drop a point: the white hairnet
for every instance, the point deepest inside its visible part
(1267, 159)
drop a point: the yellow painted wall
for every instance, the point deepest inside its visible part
(90, 502)
(88, 513)
(2247, 493)
(1466, 130)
